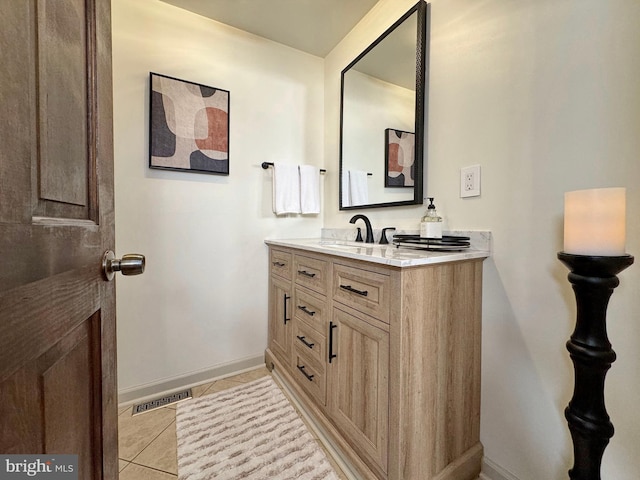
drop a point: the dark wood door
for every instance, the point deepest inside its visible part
(57, 318)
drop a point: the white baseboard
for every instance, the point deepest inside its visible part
(162, 387)
(493, 471)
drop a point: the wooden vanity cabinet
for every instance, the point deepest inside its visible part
(388, 364)
(280, 299)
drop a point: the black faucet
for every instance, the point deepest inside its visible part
(367, 224)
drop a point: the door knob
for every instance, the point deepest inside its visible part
(129, 264)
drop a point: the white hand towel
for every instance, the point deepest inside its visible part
(309, 189)
(346, 190)
(286, 189)
(358, 187)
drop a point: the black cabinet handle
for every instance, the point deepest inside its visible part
(349, 288)
(306, 310)
(331, 354)
(306, 274)
(301, 368)
(278, 264)
(304, 340)
(286, 297)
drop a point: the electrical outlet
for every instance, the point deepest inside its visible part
(470, 181)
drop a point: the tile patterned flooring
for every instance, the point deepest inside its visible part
(147, 442)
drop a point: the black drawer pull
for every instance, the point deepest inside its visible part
(286, 297)
(349, 288)
(306, 274)
(305, 310)
(331, 354)
(278, 264)
(304, 340)
(309, 377)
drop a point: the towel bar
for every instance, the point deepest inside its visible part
(266, 165)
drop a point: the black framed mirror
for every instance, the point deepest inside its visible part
(382, 117)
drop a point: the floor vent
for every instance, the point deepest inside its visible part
(161, 402)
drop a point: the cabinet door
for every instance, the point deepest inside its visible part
(358, 384)
(280, 315)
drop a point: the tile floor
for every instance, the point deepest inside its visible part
(147, 442)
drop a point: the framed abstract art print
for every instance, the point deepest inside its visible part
(188, 127)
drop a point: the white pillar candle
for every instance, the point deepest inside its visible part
(594, 222)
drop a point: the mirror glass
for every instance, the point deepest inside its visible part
(382, 118)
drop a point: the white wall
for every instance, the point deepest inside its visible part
(202, 302)
(544, 95)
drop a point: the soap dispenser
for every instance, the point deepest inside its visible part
(431, 224)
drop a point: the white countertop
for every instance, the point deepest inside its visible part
(376, 253)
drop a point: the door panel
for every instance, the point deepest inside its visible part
(359, 385)
(62, 30)
(67, 375)
(57, 312)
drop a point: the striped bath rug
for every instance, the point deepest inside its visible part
(247, 432)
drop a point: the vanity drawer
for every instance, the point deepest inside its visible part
(311, 272)
(362, 290)
(280, 263)
(310, 375)
(310, 309)
(310, 341)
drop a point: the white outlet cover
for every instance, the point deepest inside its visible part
(470, 181)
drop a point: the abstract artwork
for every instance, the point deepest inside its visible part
(399, 158)
(189, 126)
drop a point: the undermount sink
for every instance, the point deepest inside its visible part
(348, 245)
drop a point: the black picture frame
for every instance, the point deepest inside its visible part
(188, 126)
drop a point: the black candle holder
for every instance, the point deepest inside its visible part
(593, 279)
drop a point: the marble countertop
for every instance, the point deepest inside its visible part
(388, 254)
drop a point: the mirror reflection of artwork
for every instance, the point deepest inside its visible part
(399, 158)
(189, 126)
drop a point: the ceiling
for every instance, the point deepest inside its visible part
(313, 26)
